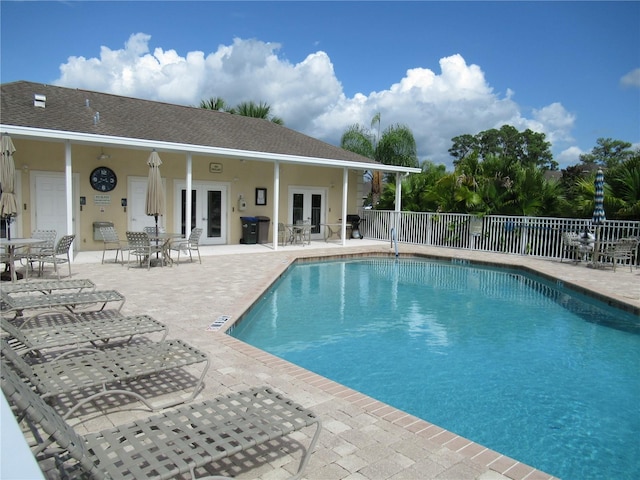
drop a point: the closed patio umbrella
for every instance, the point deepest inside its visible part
(599, 216)
(155, 193)
(8, 205)
(598, 199)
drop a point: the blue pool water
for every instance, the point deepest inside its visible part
(510, 361)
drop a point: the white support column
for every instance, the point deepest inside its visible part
(188, 187)
(398, 191)
(345, 191)
(398, 202)
(68, 181)
(276, 202)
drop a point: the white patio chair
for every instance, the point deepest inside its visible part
(35, 252)
(570, 246)
(283, 235)
(141, 247)
(152, 230)
(189, 245)
(59, 256)
(112, 242)
(621, 251)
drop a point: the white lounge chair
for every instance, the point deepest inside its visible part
(176, 442)
(107, 369)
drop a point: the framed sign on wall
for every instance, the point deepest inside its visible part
(261, 196)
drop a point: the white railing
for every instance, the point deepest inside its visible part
(534, 236)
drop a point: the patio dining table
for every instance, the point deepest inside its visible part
(335, 230)
(12, 245)
(298, 232)
(163, 240)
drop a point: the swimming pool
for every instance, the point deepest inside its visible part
(508, 360)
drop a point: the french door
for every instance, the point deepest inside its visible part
(308, 204)
(208, 210)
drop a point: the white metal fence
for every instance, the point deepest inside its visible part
(534, 236)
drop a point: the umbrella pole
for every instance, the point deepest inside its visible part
(157, 254)
(8, 234)
(596, 248)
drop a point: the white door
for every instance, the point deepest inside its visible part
(49, 200)
(137, 217)
(308, 204)
(209, 202)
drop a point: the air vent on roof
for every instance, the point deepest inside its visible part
(39, 100)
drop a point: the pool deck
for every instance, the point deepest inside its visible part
(362, 438)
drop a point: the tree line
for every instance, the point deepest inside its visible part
(501, 172)
(497, 171)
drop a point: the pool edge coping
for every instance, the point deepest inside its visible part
(477, 453)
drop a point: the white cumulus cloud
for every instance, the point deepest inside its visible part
(308, 96)
(569, 156)
(631, 79)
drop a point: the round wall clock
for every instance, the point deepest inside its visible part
(103, 179)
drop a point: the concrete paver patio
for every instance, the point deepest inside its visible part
(362, 438)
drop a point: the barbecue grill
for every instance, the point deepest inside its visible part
(355, 220)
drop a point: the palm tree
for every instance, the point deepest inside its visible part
(256, 110)
(214, 103)
(627, 183)
(415, 190)
(396, 146)
(245, 109)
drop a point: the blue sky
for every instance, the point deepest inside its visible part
(568, 69)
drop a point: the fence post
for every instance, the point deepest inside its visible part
(525, 236)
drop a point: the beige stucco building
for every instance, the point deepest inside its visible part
(234, 166)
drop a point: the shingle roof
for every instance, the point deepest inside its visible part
(74, 110)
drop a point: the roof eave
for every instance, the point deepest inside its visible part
(142, 144)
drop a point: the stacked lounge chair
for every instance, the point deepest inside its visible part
(53, 330)
(48, 286)
(72, 301)
(53, 355)
(107, 369)
(175, 442)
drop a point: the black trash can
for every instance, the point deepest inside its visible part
(263, 229)
(249, 230)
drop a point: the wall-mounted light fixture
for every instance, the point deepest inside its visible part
(103, 156)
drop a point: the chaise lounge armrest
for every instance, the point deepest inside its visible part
(72, 301)
(78, 370)
(80, 330)
(48, 286)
